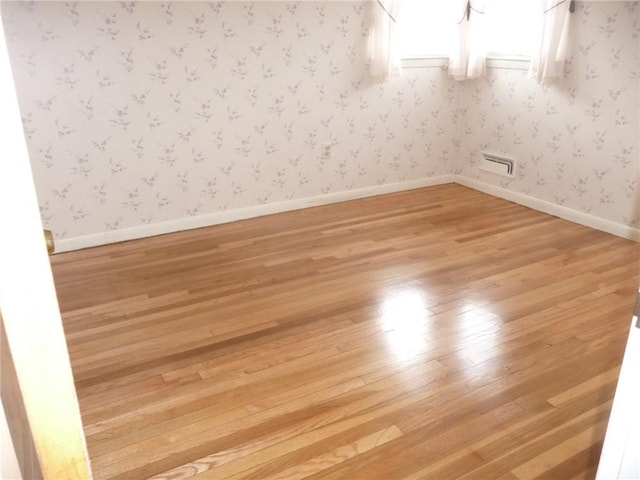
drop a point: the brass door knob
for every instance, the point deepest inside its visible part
(48, 237)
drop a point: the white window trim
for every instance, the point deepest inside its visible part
(506, 63)
(424, 62)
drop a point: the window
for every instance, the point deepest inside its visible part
(512, 28)
(425, 28)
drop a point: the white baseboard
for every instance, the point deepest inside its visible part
(566, 213)
(188, 223)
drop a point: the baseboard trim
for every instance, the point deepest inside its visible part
(565, 213)
(189, 223)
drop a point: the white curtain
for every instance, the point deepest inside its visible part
(468, 47)
(383, 51)
(547, 62)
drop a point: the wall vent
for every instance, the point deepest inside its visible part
(494, 163)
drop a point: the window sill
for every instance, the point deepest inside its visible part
(508, 63)
(424, 62)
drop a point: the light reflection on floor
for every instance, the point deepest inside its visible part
(478, 329)
(478, 332)
(404, 319)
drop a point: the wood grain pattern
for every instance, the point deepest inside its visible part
(436, 333)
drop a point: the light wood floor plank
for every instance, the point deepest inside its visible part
(434, 333)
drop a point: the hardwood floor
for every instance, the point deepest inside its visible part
(438, 333)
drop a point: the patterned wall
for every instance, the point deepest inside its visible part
(139, 112)
(576, 141)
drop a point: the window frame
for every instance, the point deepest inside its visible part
(493, 60)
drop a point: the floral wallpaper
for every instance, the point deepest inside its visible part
(140, 112)
(576, 142)
(143, 112)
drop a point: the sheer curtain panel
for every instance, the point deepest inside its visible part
(468, 47)
(383, 45)
(547, 62)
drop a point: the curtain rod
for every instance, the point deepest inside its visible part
(386, 11)
(572, 6)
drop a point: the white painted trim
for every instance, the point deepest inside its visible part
(509, 63)
(9, 467)
(424, 62)
(620, 457)
(41, 400)
(563, 212)
(188, 223)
